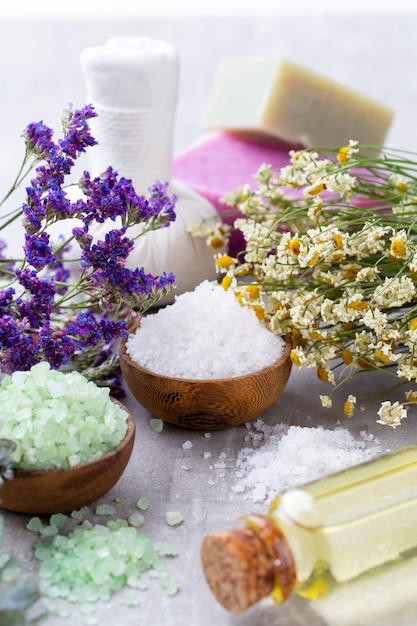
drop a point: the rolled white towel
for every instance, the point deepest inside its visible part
(133, 84)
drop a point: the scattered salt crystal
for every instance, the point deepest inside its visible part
(207, 455)
(292, 455)
(105, 510)
(157, 424)
(142, 504)
(34, 525)
(215, 337)
(136, 519)
(207, 435)
(173, 518)
(187, 445)
(58, 519)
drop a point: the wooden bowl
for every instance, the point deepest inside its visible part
(211, 404)
(64, 490)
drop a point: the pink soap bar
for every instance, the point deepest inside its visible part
(221, 163)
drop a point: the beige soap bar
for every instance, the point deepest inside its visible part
(284, 101)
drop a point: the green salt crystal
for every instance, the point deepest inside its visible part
(171, 587)
(48, 531)
(34, 525)
(156, 425)
(42, 551)
(87, 524)
(165, 549)
(105, 510)
(85, 510)
(142, 504)
(10, 571)
(119, 500)
(137, 583)
(58, 519)
(136, 519)
(173, 518)
(115, 524)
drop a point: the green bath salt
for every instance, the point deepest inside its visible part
(58, 419)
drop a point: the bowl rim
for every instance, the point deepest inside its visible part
(130, 433)
(283, 358)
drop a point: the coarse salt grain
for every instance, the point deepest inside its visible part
(285, 456)
(204, 334)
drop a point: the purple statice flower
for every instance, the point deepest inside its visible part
(37, 320)
(36, 309)
(105, 197)
(110, 197)
(19, 349)
(77, 136)
(57, 347)
(108, 254)
(38, 251)
(38, 139)
(46, 200)
(6, 299)
(161, 204)
(88, 331)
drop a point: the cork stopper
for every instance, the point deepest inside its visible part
(238, 567)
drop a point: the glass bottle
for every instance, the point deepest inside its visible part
(319, 537)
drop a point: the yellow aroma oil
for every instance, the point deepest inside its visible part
(320, 536)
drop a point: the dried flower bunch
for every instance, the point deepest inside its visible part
(48, 311)
(331, 259)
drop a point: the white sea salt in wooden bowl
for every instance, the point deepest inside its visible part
(205, 362)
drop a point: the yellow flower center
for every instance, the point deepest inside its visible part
(314, 191)
(347, 357)
(295, 247)
(252, 291)
(398, 248)
(413, 324)
(344, 154)
(259, 311)
(322, 374)
(217, 242)
(351, 272)
(313, 259)
(401, 186)
(226, 282)
(295, 358)
(348, 408)
(224, 261)
(358, 305)
(338, 241)
(381, 356)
